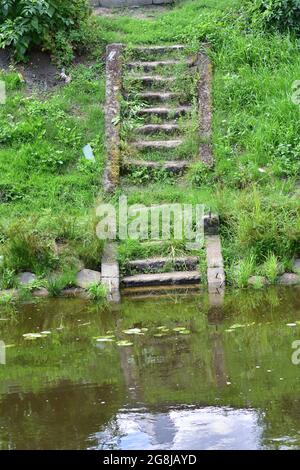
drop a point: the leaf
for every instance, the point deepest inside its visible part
(32, 336)
(104, 337)
(185, 332)
(133, 331)
(124, 343)
(105, 340)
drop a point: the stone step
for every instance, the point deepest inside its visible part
(165, 111)
(155, 264)
(176, 277)
(152, 79)
(151, 65)
(159, 49)
(157, 144)
(174, 166)
(141, 293)
(160, 96)
(158, 128)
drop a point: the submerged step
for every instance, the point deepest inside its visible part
(157, 144)
(174, 166)
(158, 128)
(176, 277)
(144, 292)
(188, 263)
(165, 111)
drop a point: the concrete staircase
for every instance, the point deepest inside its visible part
(160, 111)
(163, 109)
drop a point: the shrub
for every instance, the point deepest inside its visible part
(271, 268)
(27, 23)
(27, 250)
(58, 282)
(98, 292)
(279, 14)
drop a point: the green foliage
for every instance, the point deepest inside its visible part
(280, 14)
(271, 268)
(46, 23)
(199, 174)
(7, 278)
(57, 282)
(98, 292)
(27, 250)
(241, 273)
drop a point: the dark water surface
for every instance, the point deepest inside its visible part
(229, 382)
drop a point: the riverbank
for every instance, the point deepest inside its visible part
(167, 373)
(49, 190)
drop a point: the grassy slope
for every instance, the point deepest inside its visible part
(256, 137)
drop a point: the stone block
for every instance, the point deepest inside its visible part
(87, 277)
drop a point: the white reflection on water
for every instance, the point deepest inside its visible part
(202, 428)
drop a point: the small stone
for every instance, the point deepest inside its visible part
(87, 277)
(42, 292)
(257, 281)
(26, 278)
(289, 279)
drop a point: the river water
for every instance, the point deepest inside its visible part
(187, 377)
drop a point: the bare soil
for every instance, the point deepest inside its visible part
(39, 73)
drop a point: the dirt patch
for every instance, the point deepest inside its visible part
(143, 13)
(39, 73)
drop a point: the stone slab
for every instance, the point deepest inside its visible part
(215, 279)
(214, 252)
(189, 263)
(87, 277)
(112, 115)
(26, 278)
(289, 279)
(176, 277)
(110, 272)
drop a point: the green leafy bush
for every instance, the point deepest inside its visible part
(27, 23)
(280, 14)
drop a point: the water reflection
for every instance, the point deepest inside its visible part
(200, 428)
(218, 387)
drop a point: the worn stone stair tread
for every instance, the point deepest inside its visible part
(174, 277)
(171, 165)
(189, 262)
(157, 144)
(160, 49)
(157, 128)
(151, 79)
(150, 65)
(157, 95)
(165, 111)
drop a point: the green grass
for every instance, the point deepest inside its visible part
(46, 182)
(47, 188)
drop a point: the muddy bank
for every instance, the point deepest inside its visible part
(39, 72)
